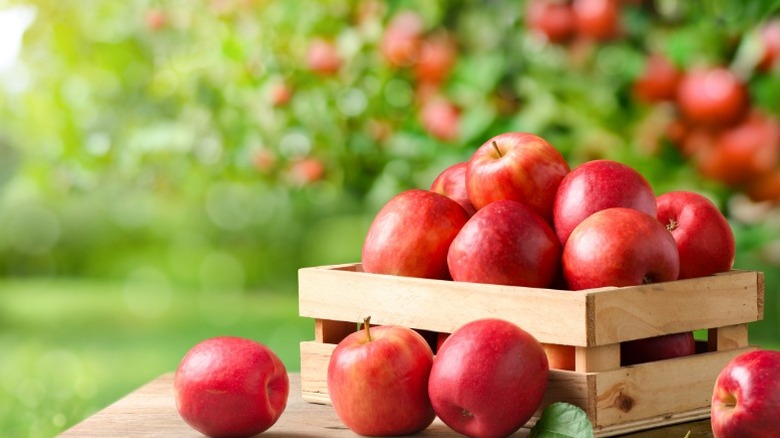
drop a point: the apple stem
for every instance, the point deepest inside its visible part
(672, 225)
(498, 151)
(647, 280)
(366, 326)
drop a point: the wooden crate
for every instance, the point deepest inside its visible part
(617, 399)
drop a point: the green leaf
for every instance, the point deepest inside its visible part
(562, 420)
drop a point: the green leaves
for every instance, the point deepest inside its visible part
(562, 420)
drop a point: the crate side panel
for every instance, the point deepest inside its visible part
(550, 315)
(656, 389)
(656, 309)
(314, 370)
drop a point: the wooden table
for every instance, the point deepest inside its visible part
(150, 412)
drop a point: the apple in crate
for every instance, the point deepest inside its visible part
(411, 234)
(657, 348)
(231, 387)
(378, 381)
(746, 397)
(488, 378)
(518, 166)
(703, 235)
(619, 247)
(451, 182)
(505, 243)
(597, 185)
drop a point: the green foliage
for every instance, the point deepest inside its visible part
(562, 420)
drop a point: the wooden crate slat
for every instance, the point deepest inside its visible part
(550, 315)
(656, 309)
(657, 388)
(727, 338)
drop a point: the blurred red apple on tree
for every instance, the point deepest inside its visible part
(742, 152)
(156, 19)
(657, 348)
(436, 59)
(658, 82)
(323, 58)
(519, 166)
(411, 234)
(451, 182)
(552, 18)
(488, 378)
(746, 397)
(770, 40)
(441, 118)
(230, 387)
(596, 185)
(400, 44)
(703, 235)
(712, 97)
(597, 19)
(506, 243)
(378, 381)
(619, 247)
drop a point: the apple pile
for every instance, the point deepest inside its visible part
(516, 214)
(486, 380)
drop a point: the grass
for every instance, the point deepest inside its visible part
(71, 347)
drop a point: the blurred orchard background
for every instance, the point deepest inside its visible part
(167, 166)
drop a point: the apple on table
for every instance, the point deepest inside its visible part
(746, 397)
(231, 387)
(488, 378)
(378, 381)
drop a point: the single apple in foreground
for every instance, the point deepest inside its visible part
(378, 381)
(518, 166)
(488, 378)
(703, 235)
(230, 387)
(451, 182)
(411, 234)
(619, 247)
(505, 243)
(597, 185)
(657, 348)
(746, 397)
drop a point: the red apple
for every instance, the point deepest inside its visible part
(746, 397)
(703, 235)
(553, 19)
(741, 152)
(597, 19)
(712, 97)
(436, 59)
(440, 338)
(305, 171)
(323, 57)
(597, 185)
(657, 348)
(519, 166)
(441, 118)
(230, 387)
(378, 381)
(156, 19)
(451, 182)
(560, 357)
(488, 378)
(658, 82)
(770, 40)
(411, 234)
(619, 247)
(402, 38)
(505, 243)
(280, 94)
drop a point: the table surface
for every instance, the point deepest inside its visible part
(150, 411)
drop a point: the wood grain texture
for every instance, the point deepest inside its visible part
(150, 412)
(581, 318)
